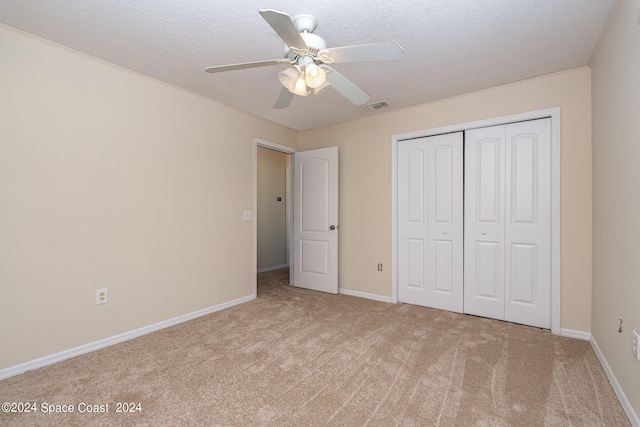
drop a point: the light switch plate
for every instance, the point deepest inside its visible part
(248, 215)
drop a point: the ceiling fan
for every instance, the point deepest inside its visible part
(308, 59)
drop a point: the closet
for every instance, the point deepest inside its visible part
(474, 222)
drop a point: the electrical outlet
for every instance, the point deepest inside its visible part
(636, 345)
(102, 297)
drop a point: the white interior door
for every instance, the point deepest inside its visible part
(484, 154)
(315, 219)
(528, 223)
(430, 222)
(508, 222)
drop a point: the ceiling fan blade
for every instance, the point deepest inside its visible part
(366, 52)
(232, 67)
(284, 99)
(284, 26)
(347, 88)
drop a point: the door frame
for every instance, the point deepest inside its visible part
(554, 115)
(257, 142)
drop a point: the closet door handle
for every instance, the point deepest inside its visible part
(484, 233)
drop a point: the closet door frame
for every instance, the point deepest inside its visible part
(554, 115)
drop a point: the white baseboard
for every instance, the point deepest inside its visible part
(570, 333)
(275, 267)
(364, 295)
(106, 342)
(626, 405)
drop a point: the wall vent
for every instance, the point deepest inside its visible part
(374, 106)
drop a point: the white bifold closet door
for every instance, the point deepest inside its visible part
(430, 222)
(507, 252)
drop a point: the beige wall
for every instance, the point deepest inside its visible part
(272, 245)
(109, 179)
(616, 196)
(365, 179)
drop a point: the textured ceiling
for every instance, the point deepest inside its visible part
(451, 47)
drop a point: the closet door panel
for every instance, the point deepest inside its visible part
(416, 269)
(484, 222)
(487, 271)
(412, 222)
(522, 280)
(528, 223)
(430, 222)
(445, 264)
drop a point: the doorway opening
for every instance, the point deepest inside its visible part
(272, 206)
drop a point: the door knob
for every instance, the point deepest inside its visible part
(484, 233)
(333, 227)
(444, 231)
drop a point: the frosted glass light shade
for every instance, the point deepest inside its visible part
(300, 87)
(289, 77)
(315, 76)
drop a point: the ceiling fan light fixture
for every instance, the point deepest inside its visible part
(300, 87)
(315, 76)
(289, 77)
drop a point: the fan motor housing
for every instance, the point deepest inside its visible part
(305, 23)
(314, 42)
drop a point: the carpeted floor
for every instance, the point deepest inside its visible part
(294, 357)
